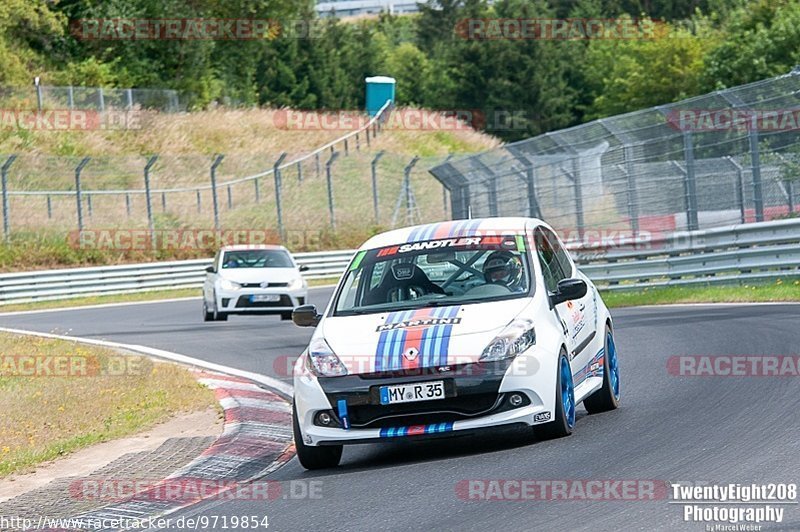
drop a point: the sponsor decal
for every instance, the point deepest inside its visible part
(435, 244)
(542, 417)
(421, 322)
(595, 368)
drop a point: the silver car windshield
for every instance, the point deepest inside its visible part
(435, 273)
(256, 258)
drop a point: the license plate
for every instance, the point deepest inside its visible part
(409, 393)
(262, 298)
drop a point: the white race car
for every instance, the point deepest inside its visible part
(440, 329)
(249, 279)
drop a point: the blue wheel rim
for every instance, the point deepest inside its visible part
(567, 393)
(613, 364)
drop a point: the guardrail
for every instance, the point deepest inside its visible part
(48, 285)
(736, 254)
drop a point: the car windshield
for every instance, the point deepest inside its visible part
(435, 273)
(256, 258)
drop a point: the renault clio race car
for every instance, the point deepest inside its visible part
(440, 329)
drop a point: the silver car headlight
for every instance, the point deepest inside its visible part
(227, 284)
(322, 361)
(516, 338)
(295, 284)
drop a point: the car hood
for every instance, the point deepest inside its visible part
(428, 337)
(258, 275)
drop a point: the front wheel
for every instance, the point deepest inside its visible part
(207, 315)
(607, 397)
(321, 457)
(564, 420)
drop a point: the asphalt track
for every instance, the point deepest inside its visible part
(669, 428)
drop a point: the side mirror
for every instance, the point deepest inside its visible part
(567, 290)
(303, 267)
(306, 316)
(211, 269)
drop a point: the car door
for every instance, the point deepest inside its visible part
(578, 316)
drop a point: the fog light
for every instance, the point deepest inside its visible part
(324, 418)
(515, 399)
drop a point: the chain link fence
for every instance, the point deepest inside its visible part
(43, 97)
(727, 157)
(344, 187)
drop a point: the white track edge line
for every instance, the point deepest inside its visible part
(282, 388)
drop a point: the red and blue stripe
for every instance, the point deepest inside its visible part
(452, 229)
(416, 430)
(587, 372)
(432, 342)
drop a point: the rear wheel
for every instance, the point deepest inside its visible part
(607, 397)
(321, 457)
(564, 420)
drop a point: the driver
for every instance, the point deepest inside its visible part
(505, 268)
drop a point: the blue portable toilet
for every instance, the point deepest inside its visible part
(379, 89)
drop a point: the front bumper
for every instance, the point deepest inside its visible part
(477, 396)
(241, 301)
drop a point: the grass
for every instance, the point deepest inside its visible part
(781, 291)
(107, 396)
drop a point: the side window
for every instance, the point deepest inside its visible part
(548, 259)
(561, 254)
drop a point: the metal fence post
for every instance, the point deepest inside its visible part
(39, 96)
(49, 208)
(230, 198)
(407, 184)
(755, 161)
(4, 171)
(316, 160)
(100, 99)
(129, 98)
(197, 192)
(147, 199)
(276, 172)
(739, 187)
(70, 98)
(128, 205)
(214, 165)
(346, 151)
(257, 190)
(78, 198)
(299, 171)
(373, 165)
(329, 180)
(691, 181)
(89, 204)
(163, 201)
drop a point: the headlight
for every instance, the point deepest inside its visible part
(227, 284)
(513, 340)
(294, 284)
(322, 361)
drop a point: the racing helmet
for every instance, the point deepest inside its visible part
(503, 267)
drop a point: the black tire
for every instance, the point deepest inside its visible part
(286, 316)
(207, 316)
(222, 316)
(560, 426)
(322, 457)
(607, 397)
